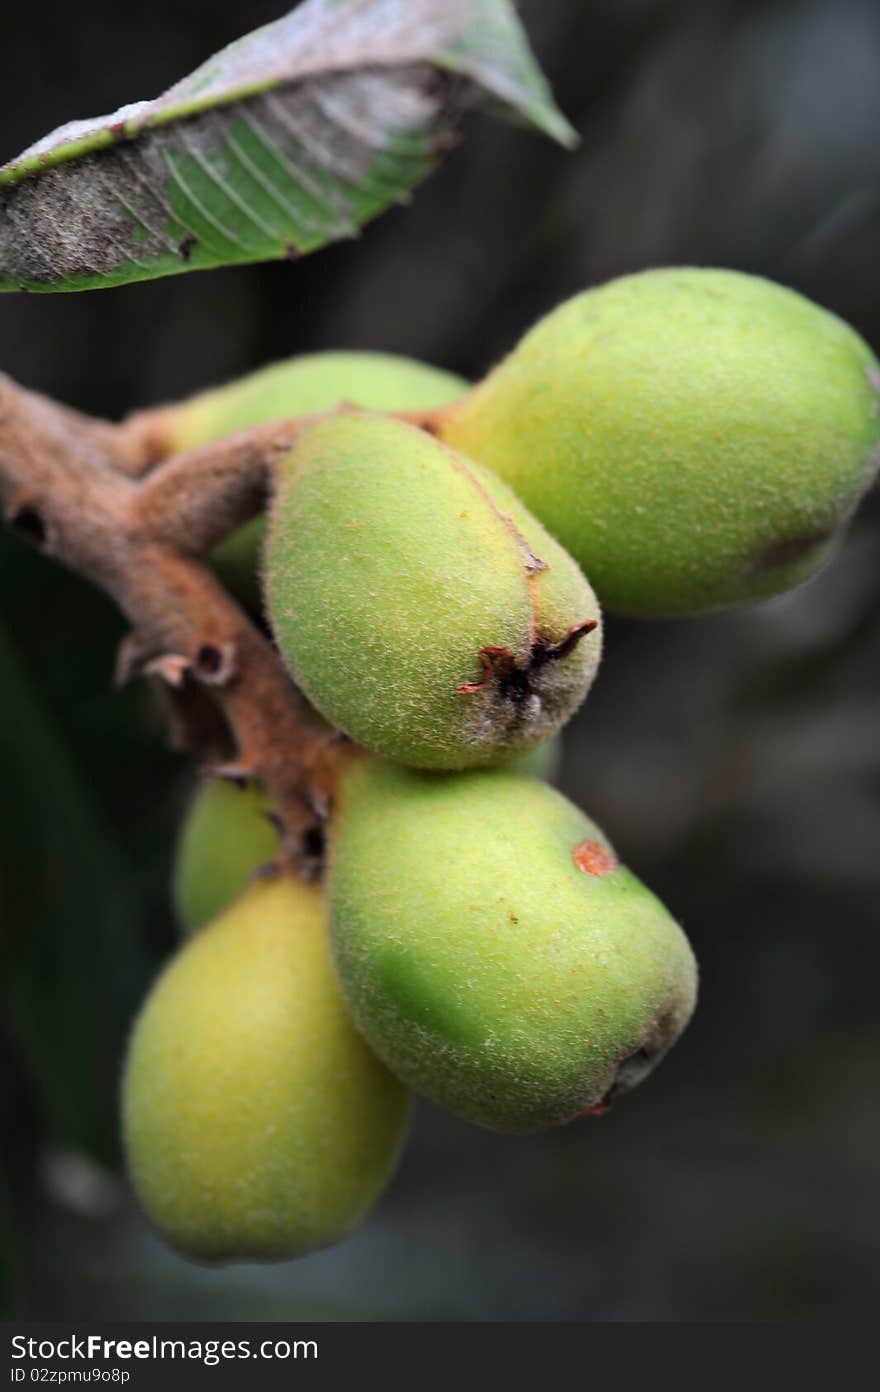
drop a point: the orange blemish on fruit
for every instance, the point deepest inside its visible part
(593, 858)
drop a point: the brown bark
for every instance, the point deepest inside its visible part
(103, 500)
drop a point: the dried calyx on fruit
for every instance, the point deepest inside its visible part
(418, 604)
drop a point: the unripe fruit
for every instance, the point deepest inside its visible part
(305, 385)
(299, 386)
(226, 837)
(257, 1124)
(420, 607)
(492, 950)
(695, 438)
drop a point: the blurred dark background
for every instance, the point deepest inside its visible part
(735, 760)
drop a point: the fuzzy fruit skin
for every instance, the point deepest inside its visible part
(696, 438)
(486, 968)
(310, 383)
(298, 387)
(392, 564)
(258, 1126)
(225, 838)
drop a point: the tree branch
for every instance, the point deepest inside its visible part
(194, 500)
(92, 495)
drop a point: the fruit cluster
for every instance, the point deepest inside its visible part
(688, 439)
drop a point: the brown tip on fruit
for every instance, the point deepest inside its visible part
(551, 652)
(593, 858)
(499, 664)
(495, 662)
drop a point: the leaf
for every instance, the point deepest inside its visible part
(289, 139)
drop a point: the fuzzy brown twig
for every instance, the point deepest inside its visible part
(104, 501)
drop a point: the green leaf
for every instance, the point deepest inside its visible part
(287, 140)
